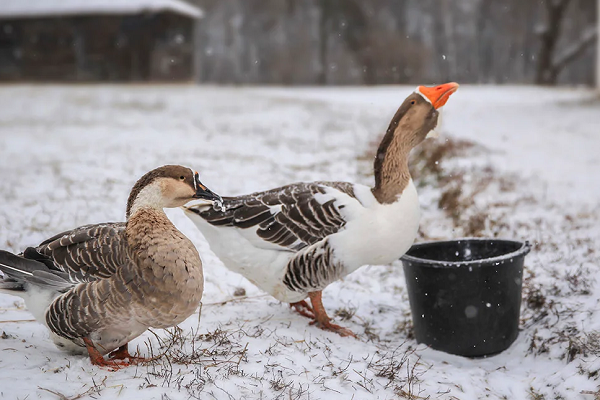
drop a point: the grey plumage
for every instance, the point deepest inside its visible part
(105, 284)
(312, 269)
(124, 295)
(85, 253)
(20, 270)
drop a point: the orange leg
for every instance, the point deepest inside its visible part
(97, 359)
(303, 309)
(322, 320)
(122, 353)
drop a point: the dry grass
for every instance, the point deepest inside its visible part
(426, 162)
(552, 321)
(534, 395)
(95, 390)
(207, 357)
(405, 327)
(400, 370)
(345, 313)
(198, 363)
(478, 201)
(459, 187)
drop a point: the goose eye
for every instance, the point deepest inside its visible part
(412, 102)
(181, 178)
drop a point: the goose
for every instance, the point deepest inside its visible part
(99, 286)
(293, 241)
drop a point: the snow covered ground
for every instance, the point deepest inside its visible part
(70, 154)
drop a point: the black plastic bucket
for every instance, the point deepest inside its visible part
(465, 295)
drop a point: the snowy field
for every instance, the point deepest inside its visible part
(527, 169)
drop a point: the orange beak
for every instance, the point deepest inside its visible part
(439, 95)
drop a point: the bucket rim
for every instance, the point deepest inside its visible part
(522, 251)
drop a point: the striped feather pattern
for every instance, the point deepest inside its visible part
(290, 216)
(158, 261)
(110, 282)
(17, 270)
(77, 314)
(312, 269)
(85, 253)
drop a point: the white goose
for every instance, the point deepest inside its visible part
(97, 287)
(295, 240)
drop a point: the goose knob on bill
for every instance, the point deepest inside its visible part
(295, 240)
(97, 287)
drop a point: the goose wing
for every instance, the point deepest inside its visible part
(288, 218)
(86, 253)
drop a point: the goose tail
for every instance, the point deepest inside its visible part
(19, 273)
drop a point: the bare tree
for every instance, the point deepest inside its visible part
(549, 65)
(598, 46)
(343, 18)
(391, 41)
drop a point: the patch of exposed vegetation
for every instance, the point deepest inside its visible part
(459, 187)
(477, 201)
(345, 313)
(426, 162)
(219, 354)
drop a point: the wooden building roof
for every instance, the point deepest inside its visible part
(41, 8)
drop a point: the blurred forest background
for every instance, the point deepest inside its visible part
(397, 41)
(300, 42)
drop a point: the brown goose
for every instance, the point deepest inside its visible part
(295, 240)
(97, 287)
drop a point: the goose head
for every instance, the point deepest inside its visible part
(168, 186)
(417, 117)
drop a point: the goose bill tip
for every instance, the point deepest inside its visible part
(438, 95)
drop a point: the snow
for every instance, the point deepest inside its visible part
(70, 155)
(535, 132)
(37, 8)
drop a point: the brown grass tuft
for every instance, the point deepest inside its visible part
(426, 161)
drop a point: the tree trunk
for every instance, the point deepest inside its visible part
(546, 73)
(323, 39)
(598, 46)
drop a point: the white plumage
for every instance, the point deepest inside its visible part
(372, 233)
(295, 240)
